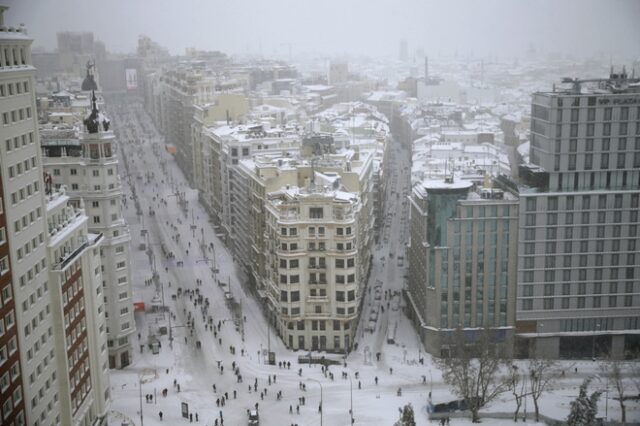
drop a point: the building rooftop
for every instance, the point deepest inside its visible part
(618, 83)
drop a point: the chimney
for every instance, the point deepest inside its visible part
(426, 68)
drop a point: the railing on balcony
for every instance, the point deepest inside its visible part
(67, 258)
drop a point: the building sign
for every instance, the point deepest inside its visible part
(131, 75)
(619, 101)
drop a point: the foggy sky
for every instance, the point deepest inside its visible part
(334, 27)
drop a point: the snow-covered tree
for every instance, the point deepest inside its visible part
(541, 375)
(473, 370)
(613, 368)
(518, 389)
(406, 417)
(585, 408)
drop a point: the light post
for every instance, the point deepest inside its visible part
(593, 342)
(606, 410)
(351, 398)
(140, 396)
(431, 380)
(321, 408)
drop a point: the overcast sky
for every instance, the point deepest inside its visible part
(372, 27)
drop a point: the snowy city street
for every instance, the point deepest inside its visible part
(198, 367)
(331, 213)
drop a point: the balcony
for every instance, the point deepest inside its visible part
(318, 266)
(66, 259)
(317, 299)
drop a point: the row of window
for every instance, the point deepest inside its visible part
(33, 378)
(605, 144)
(14, 88)
(549, 303)
(551, 262)
(293, 232)
(77, 354)
(614, 216)
(12, 401)
(295, 279)
(32, 273)
(586, 232)
(20, 114)
(24, 193)
(603, 202)
(74, 172)
(317, 262)
(621, 161)
(13, 56)
(30, 246)
(574, 114)
(585, 246)
(589, 129)
(38, 319)
(22, 167)
(581, 288)
(19, 141)
(319, 246)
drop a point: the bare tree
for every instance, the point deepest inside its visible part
(541, 375)
(517, 388)
(473, 370)
(613, 370)
(635, 371)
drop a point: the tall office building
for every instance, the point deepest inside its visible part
(88, 166)
(579, 266)
(77, 313)
(404, 50)
(462, 262)
(52, 341)
(30, 370)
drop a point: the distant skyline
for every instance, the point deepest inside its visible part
(336, 27)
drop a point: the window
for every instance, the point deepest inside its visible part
(548, 303)
(315, 212)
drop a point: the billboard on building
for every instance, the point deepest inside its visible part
(132, 78)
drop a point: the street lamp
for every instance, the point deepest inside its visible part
(140, 396)
(593, 342)
(320, 384)
(351, 398)
(431, 380)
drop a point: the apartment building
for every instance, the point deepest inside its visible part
(225, 147)
(30, 367)
(78, 315)
(314, 263)
(578, 267)
(180, 87)
(12, 409)
(87, 165)
(257, 177)
(225, 109)
(462, 262)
